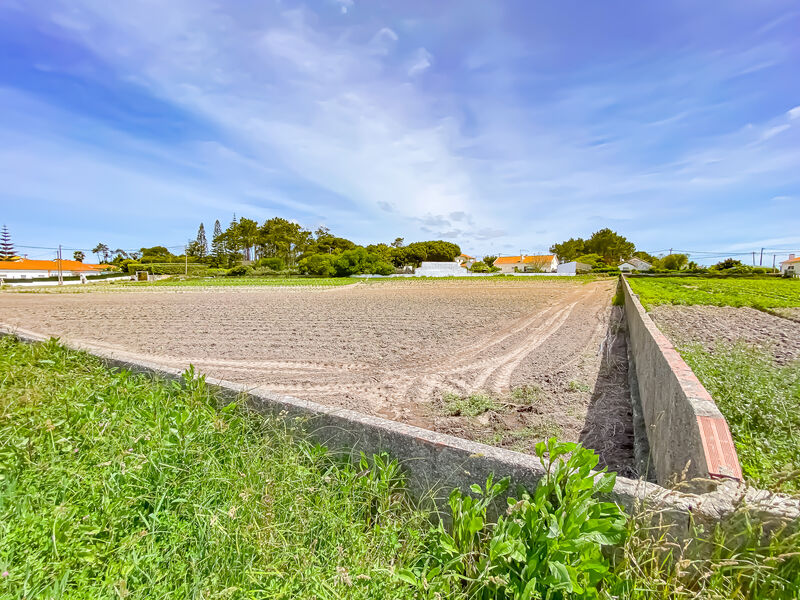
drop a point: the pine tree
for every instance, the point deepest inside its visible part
(217, 243)
(6, 247)
(202, 243)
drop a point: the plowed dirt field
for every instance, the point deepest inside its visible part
(396, 349)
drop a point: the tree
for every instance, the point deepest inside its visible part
(605, 242)
(78, 255)
(645, 256)
(610, 245)
(217, 243)
(248, 236)
(593, 260)
(202, 243)
(6, 247)
(728, 263)
(101, 248)
(569, 250)
(673, 262)
(397, 243)
(119, 252)
(489, 260)
(284, 239)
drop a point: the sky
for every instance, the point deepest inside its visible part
(501, 126)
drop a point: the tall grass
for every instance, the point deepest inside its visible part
(113, 486)
(761, 402)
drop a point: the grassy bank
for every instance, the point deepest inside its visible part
(251, 281)
(113, 486)
(760, 293)
(761, 402)
(117, 486)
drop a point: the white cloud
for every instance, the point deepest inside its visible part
(421, 62)
(773, 131)
(344, 5)
(794, 113)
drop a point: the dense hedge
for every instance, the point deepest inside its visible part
(168, 268)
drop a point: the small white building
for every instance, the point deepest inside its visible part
(635, 264)
(465, 260)
(539, 263)
(573, 267)
(791, 266)
(30, 269)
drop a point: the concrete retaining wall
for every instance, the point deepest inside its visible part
(436, 463)
(688, 436)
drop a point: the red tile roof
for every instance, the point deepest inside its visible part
(545, 259)
(47, 265)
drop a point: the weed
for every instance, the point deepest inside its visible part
(578, 386)
(468, 406)
(527, 394)
(547, 545)
(761, 402)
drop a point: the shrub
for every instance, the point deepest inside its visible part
(240, 271)
(479, 267)
(320, 265)
(275, 263)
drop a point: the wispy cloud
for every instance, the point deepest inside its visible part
(407, 119)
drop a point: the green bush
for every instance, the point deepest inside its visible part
(320, 265)
(168, 268)
(272, 262)
(240, 271)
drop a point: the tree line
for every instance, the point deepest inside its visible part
(277, 245)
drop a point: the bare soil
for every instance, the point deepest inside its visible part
(393, 349)
(709, 325)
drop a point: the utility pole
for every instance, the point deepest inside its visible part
(670, 251)
(761, 260)
(186, 256)
(773, 262)
(60, 273)
(754, 259)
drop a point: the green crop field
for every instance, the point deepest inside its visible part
(760, 293)
(115, 485)
(250, 281)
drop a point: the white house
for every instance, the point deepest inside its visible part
(634, 264)
(465, 260)
(547, 263)
(791, 266)
(29, 269)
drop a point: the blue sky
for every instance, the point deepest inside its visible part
(498, 125)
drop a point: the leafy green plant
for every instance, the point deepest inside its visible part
(547, 545)
(468, 406)
(759, 293)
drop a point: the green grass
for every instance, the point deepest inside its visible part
(468, 406)
(761, 402)
(760, 293)
(250, 281)
(115, 485)
(112, 485)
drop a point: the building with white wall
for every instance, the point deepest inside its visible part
(24, 268)
(538, 263)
